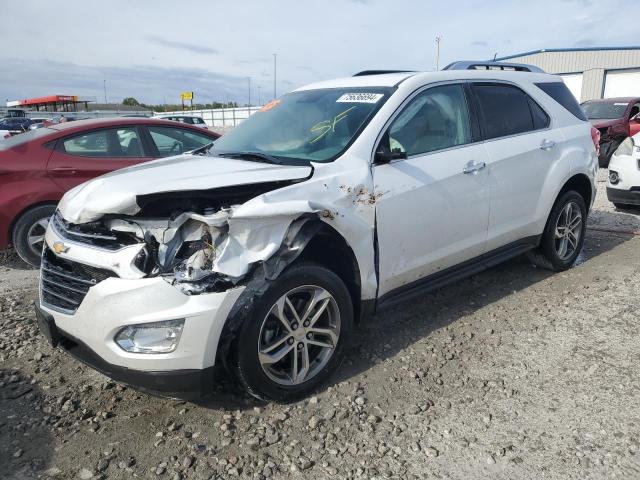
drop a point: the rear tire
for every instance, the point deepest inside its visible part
(563, 235)
(264, 335)
(28, 233)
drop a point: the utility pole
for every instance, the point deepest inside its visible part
(274, 75)
(438, 40)
(249, 79)
(104, 84)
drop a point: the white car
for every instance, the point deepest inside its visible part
(623, 185)
(188, 119)
(337, 200)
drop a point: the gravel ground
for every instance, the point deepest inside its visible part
(511, 374)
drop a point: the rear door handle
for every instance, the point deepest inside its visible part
(547, 144)
(473, 167)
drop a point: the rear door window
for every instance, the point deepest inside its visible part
(506, 110)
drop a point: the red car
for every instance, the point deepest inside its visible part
(38, 167)
(615, 119)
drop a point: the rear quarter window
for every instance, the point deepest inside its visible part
(561, 94)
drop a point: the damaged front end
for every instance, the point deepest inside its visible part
(202, 241)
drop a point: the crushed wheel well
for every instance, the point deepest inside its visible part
(581, 184)
(328, 248)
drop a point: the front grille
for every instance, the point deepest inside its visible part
(64, 284)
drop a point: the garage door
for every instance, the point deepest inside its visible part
(573, 82)
(622, 83)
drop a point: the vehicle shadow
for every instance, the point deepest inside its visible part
(393, 330)
(26, 443)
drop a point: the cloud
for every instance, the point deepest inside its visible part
(479, 43)
(22, 78)
(189, 47)
(585, 42)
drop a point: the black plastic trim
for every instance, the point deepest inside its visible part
(457, 272)
(628, 197)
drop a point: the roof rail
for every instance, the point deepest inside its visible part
(380, 72)
(472, 65)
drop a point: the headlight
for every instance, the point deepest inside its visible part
(625, 148)
(157, 337)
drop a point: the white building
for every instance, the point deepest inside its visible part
(590, 72)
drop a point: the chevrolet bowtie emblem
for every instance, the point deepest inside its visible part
(60, 247)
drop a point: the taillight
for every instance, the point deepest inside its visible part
(595, 136)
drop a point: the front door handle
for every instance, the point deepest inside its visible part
(547, 145)
(473, 167)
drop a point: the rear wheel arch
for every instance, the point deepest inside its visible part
(581, 184)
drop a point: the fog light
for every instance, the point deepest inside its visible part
(614, 178)
(157, 337)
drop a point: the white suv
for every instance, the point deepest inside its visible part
(623, 185)
(262, 251)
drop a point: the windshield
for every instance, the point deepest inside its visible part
(604, 110)
(315, 125)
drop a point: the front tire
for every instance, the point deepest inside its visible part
(28, 233)
(295, 335)
(563, 235)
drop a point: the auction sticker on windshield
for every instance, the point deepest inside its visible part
(360, 98)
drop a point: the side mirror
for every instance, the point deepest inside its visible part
(383, 155)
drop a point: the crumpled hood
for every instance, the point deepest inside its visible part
(116, 192)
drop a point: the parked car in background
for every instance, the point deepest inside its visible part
(188, 119)
(342, 197)
(15, 124)
(38, 167)
(39, 122)
(616, 119)
(623, 185)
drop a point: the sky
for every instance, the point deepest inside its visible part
(154, 49)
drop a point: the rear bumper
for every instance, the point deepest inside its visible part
(627, 197)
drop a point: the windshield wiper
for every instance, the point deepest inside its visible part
(253, 157)
(202, 149)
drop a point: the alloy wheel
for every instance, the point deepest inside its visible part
(568, 230)
(299, 335)
(35, 235)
